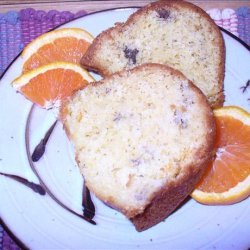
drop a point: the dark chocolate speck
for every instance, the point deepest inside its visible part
(163, 13)
(136, 162)
(131, 54)
(107, 90)
(117, 116)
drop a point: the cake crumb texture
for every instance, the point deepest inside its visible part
(141, 136)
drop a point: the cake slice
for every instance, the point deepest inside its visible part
(142, 138)
(175, 33)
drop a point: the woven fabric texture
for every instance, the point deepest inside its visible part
(17, 29)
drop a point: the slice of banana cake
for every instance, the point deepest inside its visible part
(175, 33)
(142, 139)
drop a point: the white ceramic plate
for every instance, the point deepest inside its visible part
(40, 223)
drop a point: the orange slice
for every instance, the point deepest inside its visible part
(67, 45)
(49, 84)
(227, 180)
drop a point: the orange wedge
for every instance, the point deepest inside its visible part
(48, 85)
(67, 45)
(227, 180)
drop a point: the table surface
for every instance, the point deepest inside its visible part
(91, 6)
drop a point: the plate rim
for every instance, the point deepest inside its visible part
(4, 225)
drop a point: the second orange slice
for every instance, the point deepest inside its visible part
(227, 180)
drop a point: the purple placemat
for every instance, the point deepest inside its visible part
(17, 29)
(6, 243)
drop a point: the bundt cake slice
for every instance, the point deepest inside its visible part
(142, 139)
(175, 33)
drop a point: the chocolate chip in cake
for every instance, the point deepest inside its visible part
(107, 90)
(136, 162)
(179, 119)
(163, 13)
(117, 116)
(130, 54)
